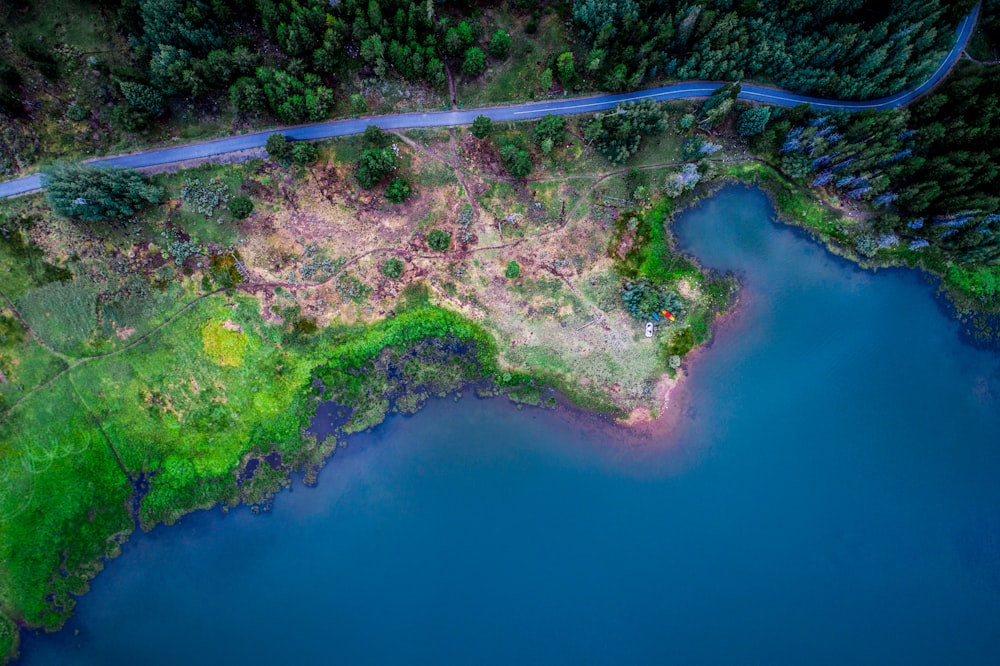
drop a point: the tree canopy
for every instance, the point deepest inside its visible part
(97, 194)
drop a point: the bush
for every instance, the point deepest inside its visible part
(475, 62)
(643, 299)
(375, 137)
(76, 113)
(398, 190)
(374, 165)
(142, 97)
(551, 128)
(304, 153)
(358, 104)
(393, 268)
(517, 161)
(482, 127)
(241, 207)
(129, 118)
(500, 44)
(278, 148)
(439, 240)
(513, 270)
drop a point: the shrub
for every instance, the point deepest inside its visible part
(142, 97)
(241, 207)
(205, 197)
(76, 112)
(393, 268)
(566, 69)
(398, 190)
(129, 118)
(358, 104)
(643, 299)
(439, 240)
(278, 148)
(475, 62)
(513, 270)
(517, 161)
(545, 80)
(482, 127)
(374, 165)
(304, 153)
(500, 44)
(375, 137)
(552, 128)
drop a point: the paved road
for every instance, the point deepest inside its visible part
(564, 106)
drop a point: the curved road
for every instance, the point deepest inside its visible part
(565, 106)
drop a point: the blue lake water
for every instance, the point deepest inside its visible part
(832, 495)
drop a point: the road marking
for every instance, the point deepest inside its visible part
(630, 98)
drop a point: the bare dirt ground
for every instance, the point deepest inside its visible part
(323, 237)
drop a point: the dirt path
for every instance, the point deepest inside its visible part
(451, 86)
(980, 62)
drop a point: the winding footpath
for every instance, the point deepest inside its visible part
(527, 111)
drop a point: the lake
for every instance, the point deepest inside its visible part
(830, 495)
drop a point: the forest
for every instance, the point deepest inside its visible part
(928, 171)
(291, 58)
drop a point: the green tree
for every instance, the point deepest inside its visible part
(565, 69)
(517, 160)
(94, 194)
(482, 127)
(439, 240)
(753, 121)
(617, 135)
(376, 137)
(278, 148)
(398, 190)
(304, 153)
(500, 45)
(550, 128)
(142, 97)
(358, 104)
(374, 165)
(393, 268)
(513, 270)
(717, 107)
(246, 95)
(240, 207)
(458, 39)
(545, 81)
(475, 62)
